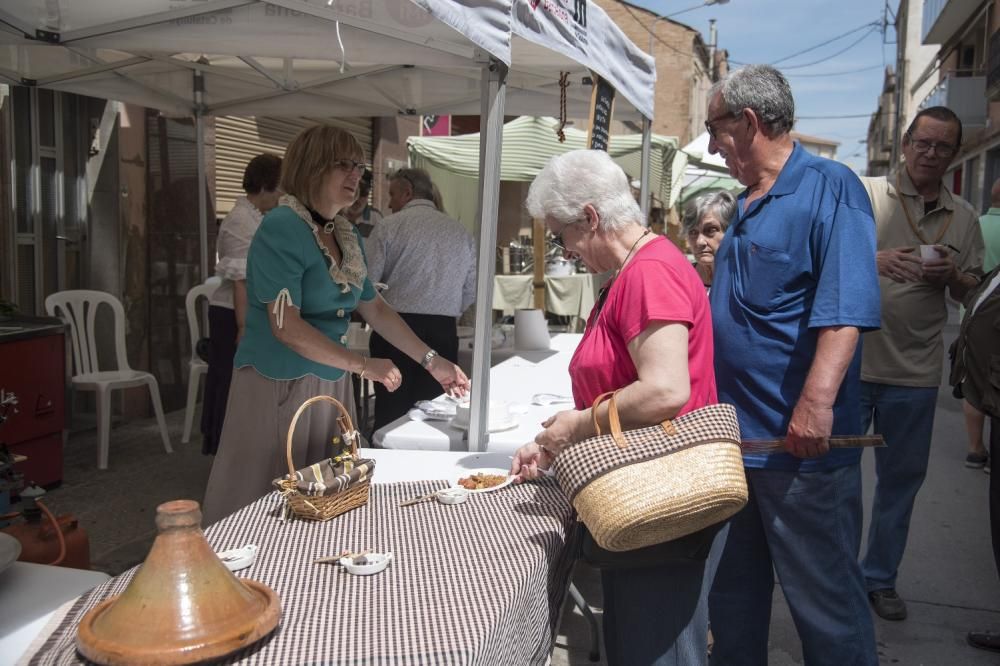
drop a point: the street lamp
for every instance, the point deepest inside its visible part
(652, 28)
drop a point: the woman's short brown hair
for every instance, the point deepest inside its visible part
(310, 157)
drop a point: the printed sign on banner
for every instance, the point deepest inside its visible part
(602, 103)
(435, 126)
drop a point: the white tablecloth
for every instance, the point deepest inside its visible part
(29, 595)
(513, 381)
(572, 295)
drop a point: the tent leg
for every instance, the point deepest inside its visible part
(199, 130)
(494, 90)
(644, 178)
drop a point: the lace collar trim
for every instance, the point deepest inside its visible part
(352, 270)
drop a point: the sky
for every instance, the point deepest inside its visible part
(767, 31)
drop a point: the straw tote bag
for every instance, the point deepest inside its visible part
(651, 485)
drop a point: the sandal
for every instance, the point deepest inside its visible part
(984, 640)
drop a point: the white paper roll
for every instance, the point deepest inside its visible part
(531, 331)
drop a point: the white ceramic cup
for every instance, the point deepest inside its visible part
(929, 252)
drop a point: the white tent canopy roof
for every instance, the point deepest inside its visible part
(303, 57)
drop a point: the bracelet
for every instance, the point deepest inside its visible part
(428, 357)
(364, 366)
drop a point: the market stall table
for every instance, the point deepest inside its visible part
(479, 582)
(568, 296)
(514, 381)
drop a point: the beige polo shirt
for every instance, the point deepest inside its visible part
(908, 349)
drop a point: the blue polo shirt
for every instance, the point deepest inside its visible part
(799, 259)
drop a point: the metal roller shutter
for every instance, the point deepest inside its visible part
(239, 138)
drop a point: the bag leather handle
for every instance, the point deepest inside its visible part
(614, 421)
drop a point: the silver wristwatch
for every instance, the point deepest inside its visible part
(428, 357)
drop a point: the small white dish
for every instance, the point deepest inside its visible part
(375, 562)
(453, 495)
(239, 558)
(471, 472)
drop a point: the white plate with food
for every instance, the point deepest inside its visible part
(484, 480)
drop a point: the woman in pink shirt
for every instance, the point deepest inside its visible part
(649, 335)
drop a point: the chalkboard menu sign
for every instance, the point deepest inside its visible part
(602, 103)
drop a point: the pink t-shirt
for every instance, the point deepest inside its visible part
(659, 284)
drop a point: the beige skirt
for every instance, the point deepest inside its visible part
(253, 443)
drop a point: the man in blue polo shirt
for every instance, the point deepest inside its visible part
(794, 286)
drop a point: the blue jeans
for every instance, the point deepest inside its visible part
(806, 527)
(904, 416)
(658, 616)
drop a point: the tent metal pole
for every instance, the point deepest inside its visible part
(494, 92)
(199, 132)
(647, 131)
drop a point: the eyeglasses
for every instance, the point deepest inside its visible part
(557, 239)
(348, 166)
(944, 150)
(709, 124)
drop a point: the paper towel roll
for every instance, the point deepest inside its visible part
(531, 331)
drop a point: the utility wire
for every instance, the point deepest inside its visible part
(833, 55)
(829, 41)
(847, 71)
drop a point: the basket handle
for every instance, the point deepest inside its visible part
(614, 421)
(343, 422)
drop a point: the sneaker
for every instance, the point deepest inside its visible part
(887, 604)
(977, 460)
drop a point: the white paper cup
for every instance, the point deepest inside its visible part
(929, 252)
(531, 331)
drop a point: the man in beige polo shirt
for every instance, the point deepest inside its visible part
(929, 244)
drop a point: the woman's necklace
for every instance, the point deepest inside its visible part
(631, 250)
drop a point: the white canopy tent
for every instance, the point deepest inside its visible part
(336, 58)
(703, 171)
(529, 142)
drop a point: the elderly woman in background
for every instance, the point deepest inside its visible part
(705, 222)
(649, 335)
(306, 274)
(227, 309)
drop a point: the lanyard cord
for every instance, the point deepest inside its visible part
(913, 226)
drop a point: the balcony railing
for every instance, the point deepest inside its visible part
(942, 18)
(965, 95)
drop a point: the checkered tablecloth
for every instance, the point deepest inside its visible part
(475, 583)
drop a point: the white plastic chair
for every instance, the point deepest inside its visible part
(79, 308)
(196, 367)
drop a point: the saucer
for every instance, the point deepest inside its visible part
(506, 424)
(376, 563)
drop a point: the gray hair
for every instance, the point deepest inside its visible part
(419, 180)
(763, 89)
(720, 203)
(572, 180)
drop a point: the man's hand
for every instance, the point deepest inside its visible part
(809, 430)
(901, 264)
(941, 271)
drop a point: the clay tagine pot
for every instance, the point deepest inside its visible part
(182, 606)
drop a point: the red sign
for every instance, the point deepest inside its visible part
(435, 126)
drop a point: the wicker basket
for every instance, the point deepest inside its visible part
(323, 507)
(651, 485)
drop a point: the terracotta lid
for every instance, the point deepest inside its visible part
(182, 606)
